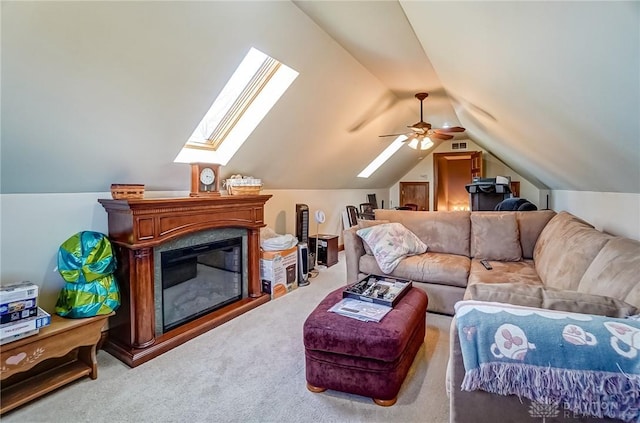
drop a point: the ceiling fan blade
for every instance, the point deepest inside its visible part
(391, 135)
(441, 136)
(449, 130)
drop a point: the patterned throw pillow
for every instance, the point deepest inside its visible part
(390, 243)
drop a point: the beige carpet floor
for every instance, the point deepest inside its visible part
(250, 369)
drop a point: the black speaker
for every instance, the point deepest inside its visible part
(302, 223)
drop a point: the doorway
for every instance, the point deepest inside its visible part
(451, 172)
(415, 193)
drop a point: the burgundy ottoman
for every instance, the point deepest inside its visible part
(364, 358)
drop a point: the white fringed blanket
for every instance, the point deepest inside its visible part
(588, 364)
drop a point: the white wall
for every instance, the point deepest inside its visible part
(423, 172)
(612, 212)
(280, 210)
(32, 227)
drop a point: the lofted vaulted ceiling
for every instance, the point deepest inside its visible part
(95, 93)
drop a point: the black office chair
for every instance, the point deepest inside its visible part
(372, 200)
(366, 211)
(515, 204)
(352, 213)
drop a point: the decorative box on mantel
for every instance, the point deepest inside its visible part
(143, 230)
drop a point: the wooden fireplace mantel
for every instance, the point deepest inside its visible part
(138, 225)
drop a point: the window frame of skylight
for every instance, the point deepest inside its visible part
(199, 148)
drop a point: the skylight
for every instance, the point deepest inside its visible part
(383, 157)
(253, 89)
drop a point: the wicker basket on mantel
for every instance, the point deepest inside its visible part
(238, 185)
(244, 190)
(127, 191)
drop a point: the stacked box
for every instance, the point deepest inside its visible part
(20, 315)
(21, 326)
(279, 271)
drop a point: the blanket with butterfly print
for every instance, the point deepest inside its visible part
(584, 363)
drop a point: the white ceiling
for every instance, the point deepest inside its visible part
(95, 93)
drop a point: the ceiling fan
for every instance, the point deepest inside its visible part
(422, 135)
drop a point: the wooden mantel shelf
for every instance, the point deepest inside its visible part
(136, 226)
(149, 222)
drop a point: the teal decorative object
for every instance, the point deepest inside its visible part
(86, 263)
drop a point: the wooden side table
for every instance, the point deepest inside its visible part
(327, 248)
(61, 353)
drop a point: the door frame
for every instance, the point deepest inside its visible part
(436, 156)
(403, 184)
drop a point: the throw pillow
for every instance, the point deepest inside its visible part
(363, 223)
(495, 236)
(390, 243)
(550, 299)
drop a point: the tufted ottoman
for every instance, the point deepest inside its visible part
(364, 358)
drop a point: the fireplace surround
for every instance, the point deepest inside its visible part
(197, 274)
(142, 230)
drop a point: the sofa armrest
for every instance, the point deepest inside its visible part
(504, 348)
(466, 406)
(353, 250)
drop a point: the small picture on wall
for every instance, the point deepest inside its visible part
(455, 146)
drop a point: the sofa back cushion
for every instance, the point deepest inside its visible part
(615, 271)
(495, 236)
(443, 231)
(530, 225)
(565, 249)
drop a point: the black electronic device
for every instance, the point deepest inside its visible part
(303, 264)
(486, 264)
(326, 249)
(302, 223)
(486, 193)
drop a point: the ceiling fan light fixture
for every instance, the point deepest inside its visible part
(423, 133)
(426, 143)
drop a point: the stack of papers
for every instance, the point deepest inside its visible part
(361, 310)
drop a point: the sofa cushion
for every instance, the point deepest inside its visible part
(495, 236)
(530, 225)
(523, 272)
(390, 243)
(550, 299)
(449, 269)
(565, 249)
(615, 271)
(443, 231)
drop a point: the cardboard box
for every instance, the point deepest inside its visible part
(19, 336)
(38, 321)
(18, 314)
(17, 306)
(15, 293)
(279, 271)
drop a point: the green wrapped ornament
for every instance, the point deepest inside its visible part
(86, 263)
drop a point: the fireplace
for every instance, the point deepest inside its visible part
(198, 274)
(185, 266)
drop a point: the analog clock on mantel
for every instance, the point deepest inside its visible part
(205, 180)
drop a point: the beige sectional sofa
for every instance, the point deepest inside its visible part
(450, 262)
(539, 258)
(533, 248)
